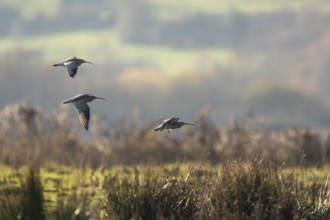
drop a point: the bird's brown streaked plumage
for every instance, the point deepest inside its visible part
(83, 120)
(80, 102)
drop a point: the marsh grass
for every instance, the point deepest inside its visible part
(76, 205)
(10, 205)
(253, 192)
(236, 190)
(25, 201)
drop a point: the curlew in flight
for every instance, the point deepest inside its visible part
(72, 65)
(170, 124)
(80, 102)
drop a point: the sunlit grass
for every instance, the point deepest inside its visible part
(73, 177)
(188, 191)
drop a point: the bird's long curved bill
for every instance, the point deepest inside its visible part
(190, 124)
(101, 98)
(89, 62)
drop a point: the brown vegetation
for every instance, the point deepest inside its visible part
(28, 134)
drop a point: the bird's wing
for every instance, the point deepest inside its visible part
(67, 60)
(159, 127)
(72, 68)
(74, 98)
(78, 97)
(168, 120)
(83, 111)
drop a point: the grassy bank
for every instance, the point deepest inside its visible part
(236, 190)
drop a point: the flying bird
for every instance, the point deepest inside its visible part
(80, 102)
(165, 123)
(72, 65)
(170, 124)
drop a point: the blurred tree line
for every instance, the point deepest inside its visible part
(137, 21)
